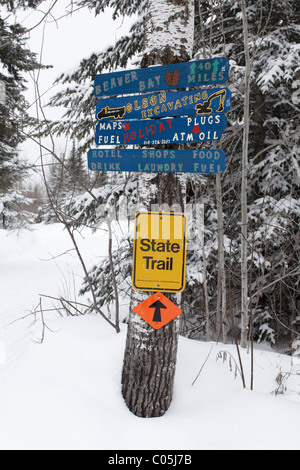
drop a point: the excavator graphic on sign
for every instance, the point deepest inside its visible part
(204, 108)
(106, 113)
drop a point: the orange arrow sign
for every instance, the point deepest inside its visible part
(157, 310)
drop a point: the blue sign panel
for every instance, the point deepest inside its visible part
(165, 104)
(167, 77)
(158, 161)
(161, 131)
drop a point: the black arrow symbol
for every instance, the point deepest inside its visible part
(157, 314)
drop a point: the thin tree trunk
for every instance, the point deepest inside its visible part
(222, 280)
(150, 355)
(2, 93)
(205, 290)
(114, 280)
(244, 202)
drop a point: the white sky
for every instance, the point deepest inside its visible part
(62, 41)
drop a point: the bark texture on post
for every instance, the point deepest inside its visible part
(150, 355)
(149, 367)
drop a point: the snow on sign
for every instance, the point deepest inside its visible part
(159, 254)
(157, 310)
(166, 77)
(157, 161)
(165, 104)
(161, 131)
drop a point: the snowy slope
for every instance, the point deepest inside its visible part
(65, 392)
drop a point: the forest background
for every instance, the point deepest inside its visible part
(71, 195)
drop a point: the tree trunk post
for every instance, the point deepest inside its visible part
(150, 355)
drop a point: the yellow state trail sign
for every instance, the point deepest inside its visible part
(159, 253)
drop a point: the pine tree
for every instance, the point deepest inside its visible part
(14, 60)
(273, 177)
(76, 174)
(55, 183)
(65, 183)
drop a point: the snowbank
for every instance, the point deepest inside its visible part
(65, 393)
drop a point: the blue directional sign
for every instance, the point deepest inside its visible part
(161, 131)
(157, 161)
(165, 104)
(167, 77)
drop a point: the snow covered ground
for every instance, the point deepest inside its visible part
(65, 393)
